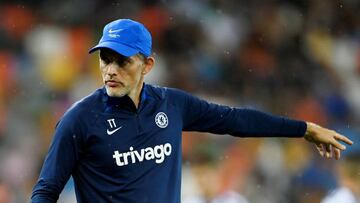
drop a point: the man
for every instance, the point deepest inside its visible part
(123, 142)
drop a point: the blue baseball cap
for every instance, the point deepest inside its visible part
(126, 37)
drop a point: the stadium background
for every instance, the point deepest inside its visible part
(294, 58)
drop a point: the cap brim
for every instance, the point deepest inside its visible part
(119, 48)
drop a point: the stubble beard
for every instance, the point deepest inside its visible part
(116, 92)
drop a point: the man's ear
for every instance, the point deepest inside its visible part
(149, 64)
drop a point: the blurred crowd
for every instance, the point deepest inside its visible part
(296, 58)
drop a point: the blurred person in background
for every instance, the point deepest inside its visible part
(215, 180)
(123, 142)
(348, 174)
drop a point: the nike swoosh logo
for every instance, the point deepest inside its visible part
(117, 30)
(110, 132)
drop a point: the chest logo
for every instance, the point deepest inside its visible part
(110, 132)
(161, 120)
(112, 126)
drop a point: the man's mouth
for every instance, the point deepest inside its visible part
(112, 83)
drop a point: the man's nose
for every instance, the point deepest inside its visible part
(111, 68)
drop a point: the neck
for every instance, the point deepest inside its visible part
(135, 94)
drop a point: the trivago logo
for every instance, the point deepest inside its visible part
(159, 152)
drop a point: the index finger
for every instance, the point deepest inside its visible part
(343, 138)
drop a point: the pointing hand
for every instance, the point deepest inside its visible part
(326, 141)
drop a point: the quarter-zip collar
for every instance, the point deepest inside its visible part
(125, 102)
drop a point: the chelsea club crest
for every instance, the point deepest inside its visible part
(161, 120)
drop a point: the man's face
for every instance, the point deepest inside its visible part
(120, 74)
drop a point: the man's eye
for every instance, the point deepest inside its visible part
(105, 60)
(122, 62)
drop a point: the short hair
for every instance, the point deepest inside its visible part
(141, 56)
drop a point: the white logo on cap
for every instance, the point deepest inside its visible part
(114, 35)
(113, 31)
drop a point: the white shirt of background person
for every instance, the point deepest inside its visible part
(340, 195)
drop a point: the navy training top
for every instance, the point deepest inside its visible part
(117, 153)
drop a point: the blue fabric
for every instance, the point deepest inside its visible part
(118, 153)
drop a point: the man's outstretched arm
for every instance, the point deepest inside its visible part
(200, 115)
